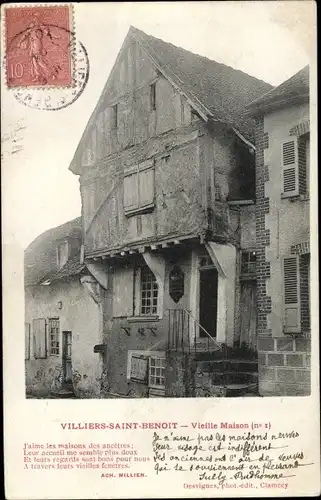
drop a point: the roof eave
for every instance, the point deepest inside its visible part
(269, 106)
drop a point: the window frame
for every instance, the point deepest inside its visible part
(161, 367)
(58, 337)
(137, 309)
(147, 354)
(114, 116)
(135, 171)
(249, 274)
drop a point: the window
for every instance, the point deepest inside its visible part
(248, 263)
(156, 372)
(290, 175)
(27, 340)
(114, 116)
(148, 292)
(176, 284)
(62, 254)
(153, 96)
(139, 368)
(139, 188)
(291, 295)
(39, 338)
(54, 335)
(147, 367)
(136, 293)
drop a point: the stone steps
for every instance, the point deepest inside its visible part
(63, 393)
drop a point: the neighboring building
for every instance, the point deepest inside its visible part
(282, 234)
(167, 179)
(61, 318)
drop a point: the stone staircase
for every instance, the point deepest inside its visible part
(227, 377)
(66, 392)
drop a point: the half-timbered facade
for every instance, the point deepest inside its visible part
(167, 180)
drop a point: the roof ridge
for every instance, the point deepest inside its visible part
(133, 28)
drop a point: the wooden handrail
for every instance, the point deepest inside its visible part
(199, 325)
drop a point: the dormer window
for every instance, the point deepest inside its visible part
(62, 254)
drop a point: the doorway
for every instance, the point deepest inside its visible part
(66, 357)
(208, 300)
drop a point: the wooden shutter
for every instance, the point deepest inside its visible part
(139, 367)
(131, 192)
(307, 163)
(27, 340)
(123, 292)
(290, 175)
(291, 295)
(39, 338)
(146, 187)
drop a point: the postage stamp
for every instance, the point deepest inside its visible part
(39, 46)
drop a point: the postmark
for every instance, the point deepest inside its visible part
(39, 46)
(56, 98)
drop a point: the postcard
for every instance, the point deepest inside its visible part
(159, 166)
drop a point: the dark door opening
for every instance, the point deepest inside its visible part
(66, 357)
(208, 301)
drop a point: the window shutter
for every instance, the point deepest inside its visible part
(139, 367)
(146, 187)
(291, 295)
(27, 340)
(307, 163)
(290, 177)
(40, 338)
(130, 192)
(123, 292)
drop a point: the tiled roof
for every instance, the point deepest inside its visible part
(41, 254)
(221, 91)
(295, 87)
(71, 268)
(224, 91)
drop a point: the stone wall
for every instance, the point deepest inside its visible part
(284, 366)
(179, 375)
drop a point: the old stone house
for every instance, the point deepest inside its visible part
(62, 317)
(167, 177)
(282, 234)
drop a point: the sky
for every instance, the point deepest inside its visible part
(269, 40)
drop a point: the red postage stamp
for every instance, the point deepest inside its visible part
(39, 43)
